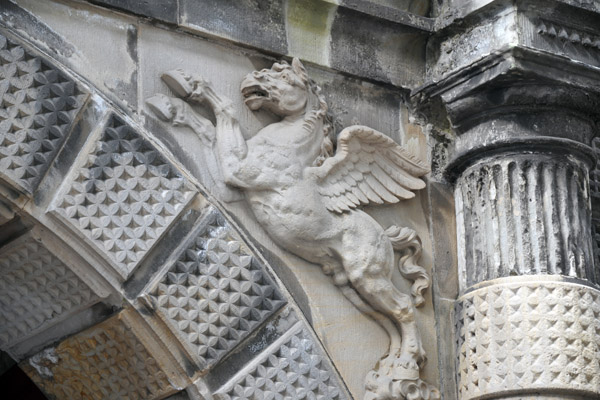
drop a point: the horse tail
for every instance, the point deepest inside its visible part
(407, 243)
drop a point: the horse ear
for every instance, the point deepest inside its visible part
(299, 69)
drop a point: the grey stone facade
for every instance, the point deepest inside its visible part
(133, 268)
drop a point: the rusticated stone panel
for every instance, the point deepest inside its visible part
(524, 336)
(124, 195)
(524, 215)
(38, 104)
(216, 293)
(36, 290)
(107, 361)
(291, 368)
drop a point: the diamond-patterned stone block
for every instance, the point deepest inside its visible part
(291, 368)
(36, 290)
(536, 335)
(38, 104)
(124, 195)
(106, 361)
(216, 293)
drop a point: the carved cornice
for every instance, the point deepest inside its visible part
(512, 72)
(566, 33)
(562, 42)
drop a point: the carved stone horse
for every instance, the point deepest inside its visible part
(308, 200)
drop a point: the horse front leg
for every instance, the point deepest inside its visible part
(231, 145)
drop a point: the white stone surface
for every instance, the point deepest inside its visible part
(526, 334)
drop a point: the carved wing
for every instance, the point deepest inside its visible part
(368, 167)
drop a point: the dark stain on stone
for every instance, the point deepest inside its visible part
(160, 254)
(188, 365)
(132, 33)
(146, 310)
(12, 229)
(259, 23)
(163, 10)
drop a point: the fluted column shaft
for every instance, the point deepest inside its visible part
(524, 214)
(528, 314)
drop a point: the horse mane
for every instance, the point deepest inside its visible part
(316, 117)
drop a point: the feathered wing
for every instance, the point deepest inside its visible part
(368, 167)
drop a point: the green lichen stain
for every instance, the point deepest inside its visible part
(308, 24)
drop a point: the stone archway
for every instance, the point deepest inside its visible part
(87, 198)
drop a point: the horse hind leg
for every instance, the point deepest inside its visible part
(384, 321)
(397, 374)
(384, 297)
(335, 269)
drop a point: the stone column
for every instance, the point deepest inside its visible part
(528, 316)
(523, 103)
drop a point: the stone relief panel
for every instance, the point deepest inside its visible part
(36, 290)
(216, 293)
(306, 198)
(38, 106)
(115, 182)
(291, 368)
(123, 195)
(107, 361)
(104, 206)
(542, 335)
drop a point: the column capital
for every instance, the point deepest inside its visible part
(517, 74)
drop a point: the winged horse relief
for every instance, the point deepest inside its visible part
(308, 199)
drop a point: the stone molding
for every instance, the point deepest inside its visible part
(327, 33)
